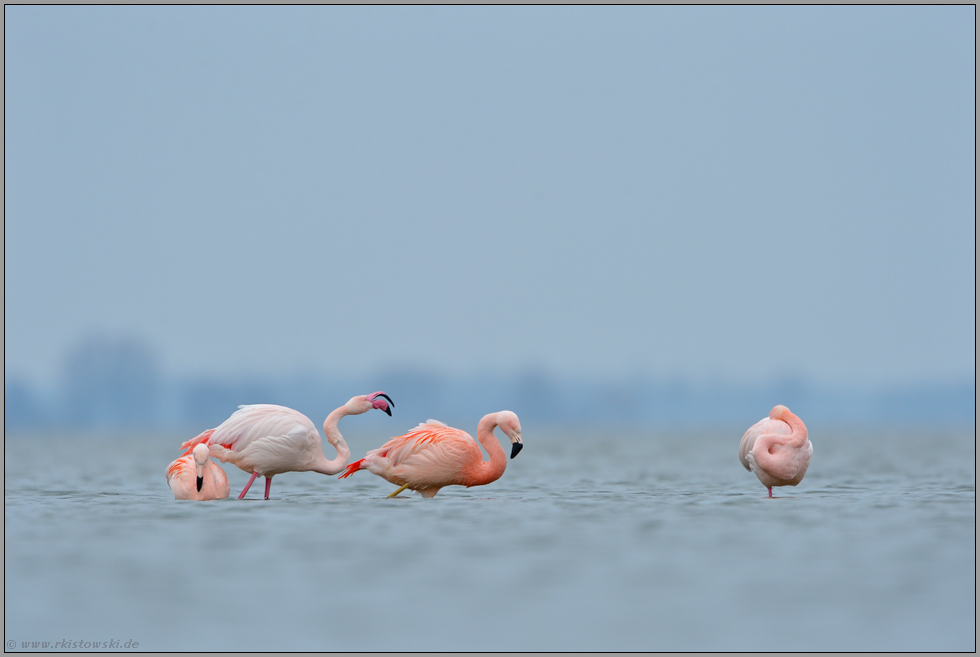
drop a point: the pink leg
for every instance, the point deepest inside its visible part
(268, 485)
(248, 485)
(770, 491)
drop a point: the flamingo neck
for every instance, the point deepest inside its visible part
(799, 437)
(486, 471)
(327, 466)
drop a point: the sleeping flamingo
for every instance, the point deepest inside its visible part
(194, 476)
(433, 455)
(267, 440)
(776, 449)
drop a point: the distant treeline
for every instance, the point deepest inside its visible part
(137, 401)
(115, 383)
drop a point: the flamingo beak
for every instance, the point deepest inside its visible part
(199, 471)
(381, 404)
(516, 448)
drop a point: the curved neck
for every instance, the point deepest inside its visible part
(486, 471)
(332, 467)
(798, 437)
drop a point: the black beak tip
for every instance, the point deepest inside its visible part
(200, 482)
(515, 449)
(388, 411)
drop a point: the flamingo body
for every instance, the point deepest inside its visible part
(776, 449)
(194, 476)
(266, 439)
(434, 455)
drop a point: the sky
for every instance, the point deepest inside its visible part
(716, 193)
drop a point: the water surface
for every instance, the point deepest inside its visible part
(603, 541)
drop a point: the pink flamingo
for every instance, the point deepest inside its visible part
(776, 449)
(195, 477)
(267, 440)
(433, 455)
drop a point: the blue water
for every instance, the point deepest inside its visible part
(592, 541)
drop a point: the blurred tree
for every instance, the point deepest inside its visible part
(111, 382)
(21, 406)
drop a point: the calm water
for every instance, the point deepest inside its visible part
(622, 541)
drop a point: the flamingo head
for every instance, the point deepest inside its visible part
(364, 403)
(510, 425)
(779, 412)
(783, 414)
(200, 460)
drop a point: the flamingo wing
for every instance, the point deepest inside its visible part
(764, 426)
(219, 481)
(266, 422)
(432, 454)
(182, 477)
(177, 468)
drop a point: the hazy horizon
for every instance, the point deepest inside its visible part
(111, 383)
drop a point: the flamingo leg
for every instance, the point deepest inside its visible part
(248, 485)
(399, 490)
(770, 491)
(268, 485)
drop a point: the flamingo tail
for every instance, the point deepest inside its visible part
(351, 469)
(189, 445)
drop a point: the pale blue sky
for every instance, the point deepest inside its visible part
(707, 192)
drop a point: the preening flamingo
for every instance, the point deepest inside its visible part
(194, 476)
(267, 440)
(776, 449)
(434, 455)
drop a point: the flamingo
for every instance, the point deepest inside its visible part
(194, 477)
(265, 439)
(776, 449)
(434, 455)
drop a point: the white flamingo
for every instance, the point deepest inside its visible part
(266, 440)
